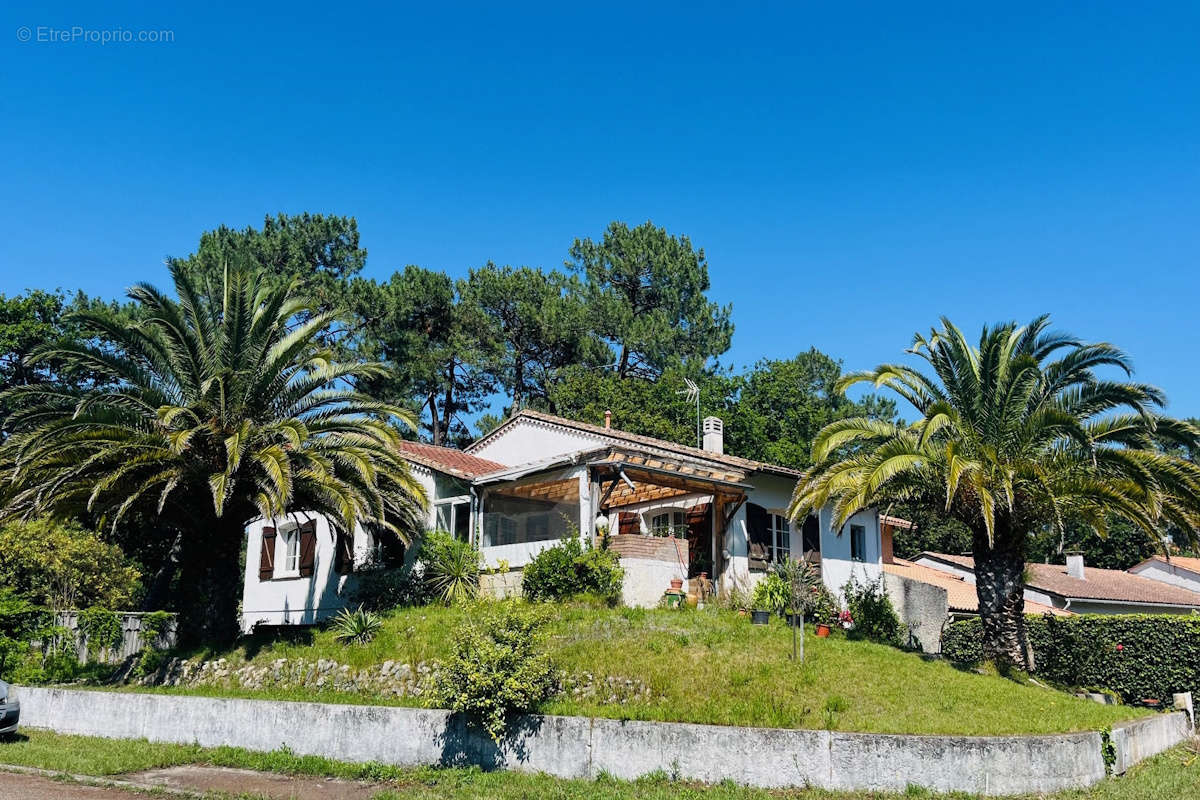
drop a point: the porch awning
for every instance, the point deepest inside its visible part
(639, 477)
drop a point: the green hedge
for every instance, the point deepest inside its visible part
(1138, 656)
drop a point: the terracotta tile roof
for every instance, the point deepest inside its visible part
(1183, 562)
(895, 522)
(448, 459)
(1100, 584)
(633, 438)
(960, 595)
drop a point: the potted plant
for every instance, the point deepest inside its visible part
(822, 629)
(801, 584)
(763, 602)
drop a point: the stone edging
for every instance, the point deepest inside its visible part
(581, 747)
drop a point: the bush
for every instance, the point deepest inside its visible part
(1138, 656)
(61, 565)
(569, 569)
(772, 594)
(450, 567)
(356, 627)
(385, 589)
(497, 668)
(872, 612)
(102, 630)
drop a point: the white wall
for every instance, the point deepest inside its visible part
(836, 565)
(528, 441)
(291, 599)
(1169, 573)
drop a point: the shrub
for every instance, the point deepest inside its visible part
(772, 594)
(101, 629)
(356, 627)
(450, 567)
(872, 612)
(62, 565)
(497, 668)
(385, 589)
(569, 569)
(1138, 656)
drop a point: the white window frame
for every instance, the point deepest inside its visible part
(780, 529)
(287, 551)
(676, 519)
(859, 531)
(463, 500)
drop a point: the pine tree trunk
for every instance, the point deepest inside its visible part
(1000, 586)
(210, 582)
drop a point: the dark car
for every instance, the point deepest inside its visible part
(10, 709)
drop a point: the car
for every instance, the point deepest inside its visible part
(10, 709)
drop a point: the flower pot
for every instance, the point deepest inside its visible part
(760, 617)
(693, 599)
(822, 630)
(676, 584)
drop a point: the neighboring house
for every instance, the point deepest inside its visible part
(1082, 589)
(537, 478)
(1178, 571)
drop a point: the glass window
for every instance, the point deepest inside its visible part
(291, 553)
(781, 537)
(670, 522)
(858, 543)
(530, 512)
(454, 516)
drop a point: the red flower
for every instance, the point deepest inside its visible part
(1120, 647)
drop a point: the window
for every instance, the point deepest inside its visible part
(858, 543)
(291, 550)
(498, 530)
(453, 515)
(537, 528)
(666, 523)
(781, 537)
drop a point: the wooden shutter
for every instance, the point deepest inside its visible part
(758, 528)
(343, 554)
(628, 524)
(266, 555)
(308, 548)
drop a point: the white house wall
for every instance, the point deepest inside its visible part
(1169, 573)
(295, 600)
(527, 441)
(836, 565)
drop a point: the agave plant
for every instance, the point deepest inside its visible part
(214, 408)
(356, 627)
(1013, 434)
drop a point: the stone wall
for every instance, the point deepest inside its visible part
(922, 607)
(579, 747)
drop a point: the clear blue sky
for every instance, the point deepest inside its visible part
(852, 171)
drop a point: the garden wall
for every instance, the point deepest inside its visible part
(579, 747)
(131, 635)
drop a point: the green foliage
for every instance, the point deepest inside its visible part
(154, 625)
(385, 589)
(872, 612)
(1015, 431)
(356, 627)
(569, 569)
(1123, 545)
(772, 593)
(497, 668)
(645, 292)
(62, 565)
(218, 407)
(803, 582)
(101, 629)
(451, 567)
(1138, 656)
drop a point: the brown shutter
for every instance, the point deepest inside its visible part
(628, 524)
(757, 528)
(308, 548)
(886, 544)
(266, 555)
(343, 555)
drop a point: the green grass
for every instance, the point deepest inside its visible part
(713, 666)
(1174, 774)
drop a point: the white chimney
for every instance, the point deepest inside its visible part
(1075, 565)
(607, 419)
(714, 435)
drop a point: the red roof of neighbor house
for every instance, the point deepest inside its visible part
(448, 459)
(960, 595)
(1184, 562)
(1100, 584)
(635, 438)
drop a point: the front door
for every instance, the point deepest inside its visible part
(699, 523)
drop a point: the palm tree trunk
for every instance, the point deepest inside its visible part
(1000, 586)
(210, 582)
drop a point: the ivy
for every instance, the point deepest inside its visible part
(101, 629)
(1137, 656)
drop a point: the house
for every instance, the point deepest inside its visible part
(671, 511)
(1082, 589)
(1178, 571)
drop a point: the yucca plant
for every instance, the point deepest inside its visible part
(217, 406)
(356, 627)
(1013, 434)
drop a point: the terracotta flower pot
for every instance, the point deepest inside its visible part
(676, 584)
(822, 630)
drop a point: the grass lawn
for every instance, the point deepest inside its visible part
(713, 666)
(1174, 774)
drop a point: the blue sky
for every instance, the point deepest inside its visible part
(852, 172)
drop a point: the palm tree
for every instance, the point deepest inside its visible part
(1017, 433)
(212, 409)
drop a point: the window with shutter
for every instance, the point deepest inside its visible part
(266, 555)
(758, 529)
(343, 553)
(308, 548)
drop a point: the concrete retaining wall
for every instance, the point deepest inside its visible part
(581, 747)
(922, 607)
(1143, 738)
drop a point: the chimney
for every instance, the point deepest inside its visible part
(714, 435)
(607, 419)
(1075, 565)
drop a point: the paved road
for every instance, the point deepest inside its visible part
(34, 787)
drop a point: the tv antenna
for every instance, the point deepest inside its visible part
(693, 393)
